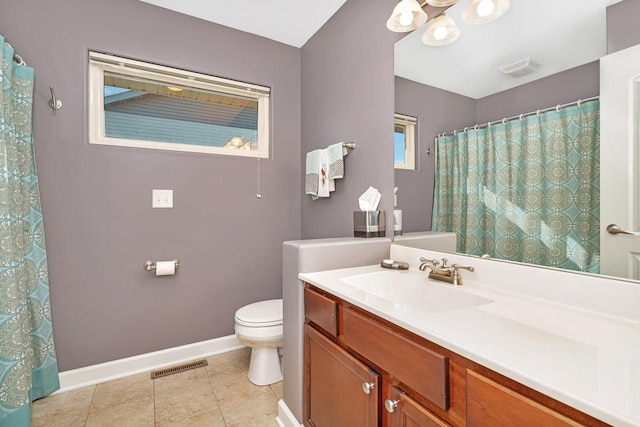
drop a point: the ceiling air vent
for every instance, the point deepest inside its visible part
(520, 68)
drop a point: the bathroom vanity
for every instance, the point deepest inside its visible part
(394, 348)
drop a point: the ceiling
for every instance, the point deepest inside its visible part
(559, 35)
(292, 22)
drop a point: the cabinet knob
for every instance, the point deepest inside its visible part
(367, 387)
(390, 405)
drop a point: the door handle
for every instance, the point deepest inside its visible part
(391, 405)
(368, 387)
(616, 229)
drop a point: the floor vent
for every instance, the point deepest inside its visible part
(179, 368)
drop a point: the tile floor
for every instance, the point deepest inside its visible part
(218, 395)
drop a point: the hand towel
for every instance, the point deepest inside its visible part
(324, 184)
(336, 153)
(312, 173)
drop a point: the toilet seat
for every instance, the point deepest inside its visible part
(260, 314)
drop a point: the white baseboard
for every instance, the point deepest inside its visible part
(108, 371)
(285, 418)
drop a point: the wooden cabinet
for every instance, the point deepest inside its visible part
(354, 364)
(340, 390)
(411, 382)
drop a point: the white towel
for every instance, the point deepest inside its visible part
(324, 183)
(323, 167)
(336, 153)
(312, 173)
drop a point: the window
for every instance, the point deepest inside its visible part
(137, 104)
(404, 142)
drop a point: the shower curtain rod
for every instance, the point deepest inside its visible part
(519, 116)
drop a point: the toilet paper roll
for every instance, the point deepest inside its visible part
(165, 268)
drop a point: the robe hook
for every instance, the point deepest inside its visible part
(54, 102)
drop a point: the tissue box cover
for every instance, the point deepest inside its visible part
(369, 224)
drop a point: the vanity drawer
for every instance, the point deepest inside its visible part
(418, 367)
(321, 311)
(490, 404)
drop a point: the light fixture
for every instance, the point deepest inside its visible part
(237, 143)
(482, 11)
(174, 88)
(442, 30)
(442, 3)
(406, 16)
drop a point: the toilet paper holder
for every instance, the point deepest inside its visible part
(150, 265)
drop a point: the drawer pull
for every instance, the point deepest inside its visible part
(367, 387)
(390, 405)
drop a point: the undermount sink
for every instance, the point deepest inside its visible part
(412, 293)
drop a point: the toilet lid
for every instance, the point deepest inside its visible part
(263, 313)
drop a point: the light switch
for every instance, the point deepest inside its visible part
(162, 198)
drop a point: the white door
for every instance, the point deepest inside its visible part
(619, 163)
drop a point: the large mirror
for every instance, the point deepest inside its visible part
(554, 48)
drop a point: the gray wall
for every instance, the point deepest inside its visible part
(568, 86)
(347, 95)
(99, 224)
(437, 111)
(622, 25)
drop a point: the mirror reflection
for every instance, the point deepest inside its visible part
(516, 172)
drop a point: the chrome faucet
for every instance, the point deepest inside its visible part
(439, 270)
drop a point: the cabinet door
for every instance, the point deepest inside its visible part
(335, 384)
(406, 412)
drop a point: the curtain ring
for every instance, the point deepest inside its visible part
(475, 127)
(455, 132)
(465, 129)
(558, 108)
(18, 59)
(579, 102)
(488, 125)
(504, 121)
(538, 113)
(521, 116)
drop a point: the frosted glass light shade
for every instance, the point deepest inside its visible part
(442, 3)
(482, 11)
(441, 31)
(406, 16)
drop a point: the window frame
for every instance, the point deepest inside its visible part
(409, 124)
(99, 63)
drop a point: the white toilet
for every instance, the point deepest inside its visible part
(259, 326)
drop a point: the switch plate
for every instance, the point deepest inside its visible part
(162, 198)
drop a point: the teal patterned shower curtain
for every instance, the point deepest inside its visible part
(524, 190)
(28, 366)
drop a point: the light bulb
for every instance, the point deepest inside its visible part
(485, 8)
(440, 33)
(406, 18)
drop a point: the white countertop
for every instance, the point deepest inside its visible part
(586, 359)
